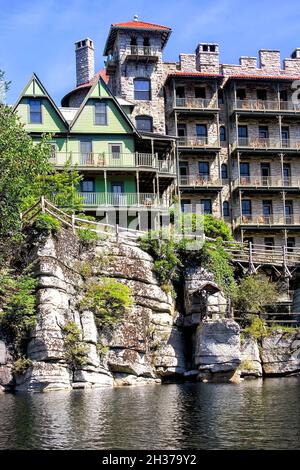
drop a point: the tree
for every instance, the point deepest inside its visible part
(21, 162)
(4, 86)
(254, 293)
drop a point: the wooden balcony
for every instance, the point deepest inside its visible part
(131, 161)
(111, 64)
(197, 143)
(265, 107)
(195, 105)
(266, 182)
(267, 221)
(200, 182)
(142, 53)
(262, 144)
(122, 200)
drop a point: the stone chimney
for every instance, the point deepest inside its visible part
(207, 58)
(85, 67)
(269, 60)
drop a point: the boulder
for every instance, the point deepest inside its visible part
(250, 358)
(280, 353)
(217, 348)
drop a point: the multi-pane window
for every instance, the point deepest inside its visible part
(289, 212)
(115, 150)
(246, 207)
(263, 132)
(206, 205)
(225, 209)
(243, 134)
(142, 89)
(87, 185)
(201, 131)
(100, 114)
(285, 136)
(144, 123)
(222, 134)
(244, 169)
(35, 111)
(224, 171)
(204, 170)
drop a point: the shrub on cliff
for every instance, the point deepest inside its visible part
(108, 299)
(76, 349)
(254, 294)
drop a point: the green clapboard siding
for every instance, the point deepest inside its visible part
(51, 120)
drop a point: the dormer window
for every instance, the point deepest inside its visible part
(35, 111)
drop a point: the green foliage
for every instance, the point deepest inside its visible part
(21, 365)
(18, 302)
(47, 224)
(284, 328)
(21, 161)
(87, 237)
(254, 293)
(76, 349)
(257, 328)
(108, 299)
(216, 228)
(102, 350)
(217, 261)
(246, 365)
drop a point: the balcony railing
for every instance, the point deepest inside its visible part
(198, 142)
(199, 181)
(267, 220)
(265, 105)
(93, 199)
(146, 51)
(266, 182)
(113, 160)
(266, 143)
(195, 103)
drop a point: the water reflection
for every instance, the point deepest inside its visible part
(253, 415)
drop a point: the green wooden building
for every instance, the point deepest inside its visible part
(125, 174)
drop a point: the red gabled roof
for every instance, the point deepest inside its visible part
(262, 77)
(135, 25)
(140, 24)
(102, 73)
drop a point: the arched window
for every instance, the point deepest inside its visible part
(224, 171)
(144, 123)
(225, 209)
(142, 89)
(222, 134)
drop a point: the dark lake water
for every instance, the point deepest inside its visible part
(253, 415)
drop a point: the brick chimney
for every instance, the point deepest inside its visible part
(207, 57)
(85, 67)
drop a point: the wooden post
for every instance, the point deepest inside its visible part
(73, 223)
(117, 232)
(138, 187)
(105, 186)
(43, 203)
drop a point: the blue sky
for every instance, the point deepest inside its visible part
(39, 35)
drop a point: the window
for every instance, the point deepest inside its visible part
(263, 132)
(220, 97)
(243, 135)
(133, 46)
(87, 185)
(201, 131)
(146, 44)
(180, 92)
(286, 174)
(224, 171)
(200, 92)
(183, 168)
(261, 95)
(144, 123)
(35, 111)
(241, 94)
(290, 243)
(185, 205)
(225, 209)
(267, 211)
(204, 170)
(265, 171)
(222, 134)
(283, 95)
(142, 89)
(289, 212)
(100, 114)
(244, 170)
(118, 196)
(115, 150)
(285, 136)
(269, 243)
(246, 207)
(86, 149)
(206, 205)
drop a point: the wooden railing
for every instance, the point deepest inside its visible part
(266, 143)
(195, 103)
(198, 142)
(94, 199)
(199, 181)
(102, 159)
(137, 50)
(267, 220)
(265, 105)
(266, 182)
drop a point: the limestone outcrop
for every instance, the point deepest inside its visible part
(280, 353)
(250, 358)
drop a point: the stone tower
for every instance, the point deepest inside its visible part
(134, 64)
